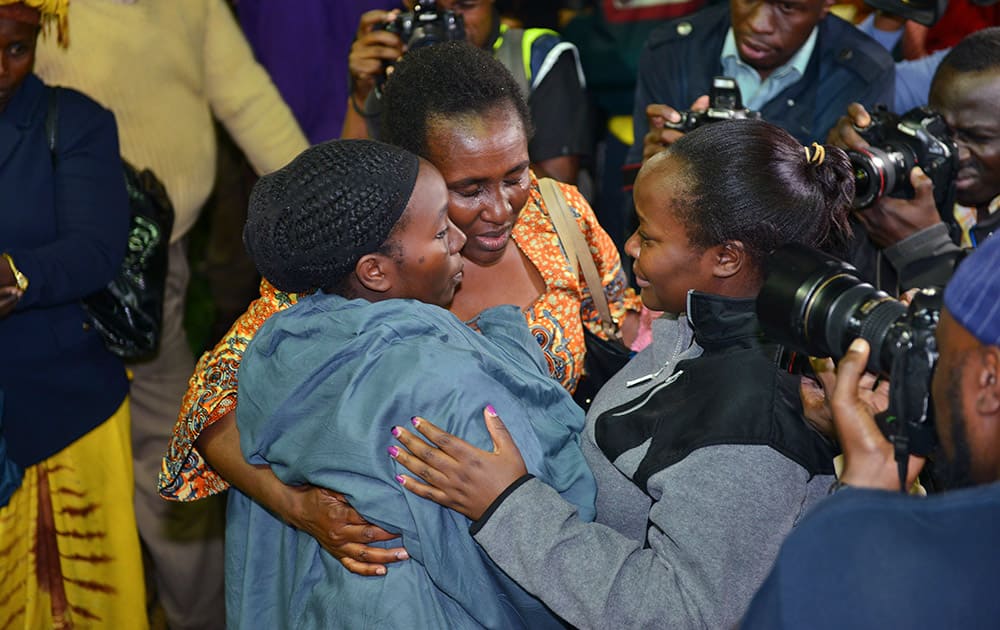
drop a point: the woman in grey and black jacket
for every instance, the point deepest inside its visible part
(702, 456)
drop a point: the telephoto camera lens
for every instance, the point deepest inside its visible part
(815, 303)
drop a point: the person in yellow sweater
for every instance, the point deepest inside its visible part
(165, 69)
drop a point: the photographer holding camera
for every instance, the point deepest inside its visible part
(916, 246)
(551, 77)
(867, 558)
(793, 62)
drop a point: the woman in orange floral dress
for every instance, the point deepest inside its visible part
(459, 108)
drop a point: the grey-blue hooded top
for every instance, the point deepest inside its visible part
(320, 387)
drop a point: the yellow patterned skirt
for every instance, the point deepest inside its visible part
(69, 548)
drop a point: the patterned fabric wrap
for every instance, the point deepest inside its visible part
(555, 319)
(70, 555)
(211, 394)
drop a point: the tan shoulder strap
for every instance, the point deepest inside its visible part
(576, 246)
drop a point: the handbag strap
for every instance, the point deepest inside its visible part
(52, 122)
(576, 247)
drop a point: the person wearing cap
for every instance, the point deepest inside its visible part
(323, 382)
(868, 557)
(70, 552)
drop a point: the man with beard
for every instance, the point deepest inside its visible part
(916, 243)
(867, 558)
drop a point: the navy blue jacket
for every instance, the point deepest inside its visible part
(681, 57)
(66, 228)
(873, 559)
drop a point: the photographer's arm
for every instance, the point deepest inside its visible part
(323, 514)
(371, 50)
(868, 456)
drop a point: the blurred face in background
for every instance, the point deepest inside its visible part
(17, 56)
(477, 15)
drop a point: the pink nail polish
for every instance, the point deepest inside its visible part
(415, 421)
(401, 479)
(393, 452)
(490, 410)
(395, 431)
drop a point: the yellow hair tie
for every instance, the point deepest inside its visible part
(816, 156)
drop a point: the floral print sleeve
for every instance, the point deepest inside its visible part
(557, 317)
(211, 394)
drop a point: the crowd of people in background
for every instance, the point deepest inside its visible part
(369, 255)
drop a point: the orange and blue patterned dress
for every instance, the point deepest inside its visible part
(556, 321)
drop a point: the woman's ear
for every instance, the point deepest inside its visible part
(374, 272)
(730, 259)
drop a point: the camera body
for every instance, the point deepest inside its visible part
(426, 26)
(814, 303)
(920, 137)
(725, 102)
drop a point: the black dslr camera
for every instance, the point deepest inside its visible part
(426, 26)
(817, 304)
(919, 137)
(725, 102)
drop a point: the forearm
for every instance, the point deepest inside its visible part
(355, 126)
(703, 562)
(589, 574)
(219, 444)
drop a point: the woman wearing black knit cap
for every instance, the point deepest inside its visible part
(322, 384)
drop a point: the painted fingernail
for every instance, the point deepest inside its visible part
(415, 421)
(402, 555)
(393, 452)
(401, 479)
(380, 571)
(490, 410)
(395, 431)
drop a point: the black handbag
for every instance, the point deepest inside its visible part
(128, 312)
(604, 357)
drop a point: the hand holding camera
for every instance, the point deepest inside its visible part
(869, 458)
(666, 125)
(890, 220)
(384, 36)
(818, 305)
(904, 169)
(662, 131)
(373, 48)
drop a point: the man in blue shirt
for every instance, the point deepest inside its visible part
(793, 61)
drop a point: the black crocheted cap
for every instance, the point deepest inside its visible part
(310, 222)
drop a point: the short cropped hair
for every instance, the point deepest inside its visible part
(976, 52)
(447, 80)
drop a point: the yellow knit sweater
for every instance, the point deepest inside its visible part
(164, 67)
